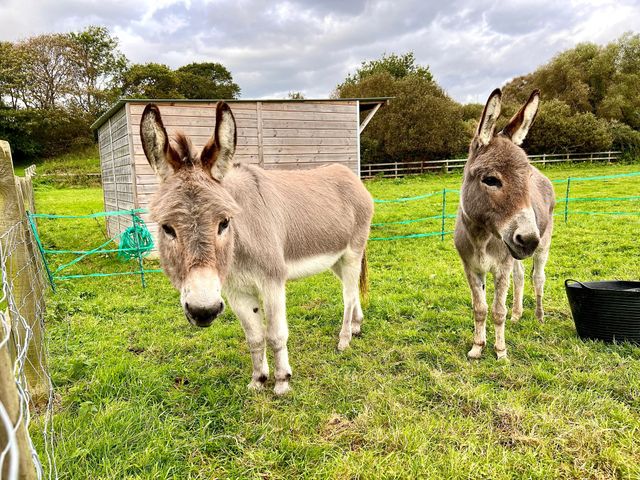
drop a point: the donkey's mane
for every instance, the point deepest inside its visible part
(184, 147)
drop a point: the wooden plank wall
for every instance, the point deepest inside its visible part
(117, 171)
(309, 134)
(275, 135)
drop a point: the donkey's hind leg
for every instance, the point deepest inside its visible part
(518, 290)
(357, 318)
(248, 309)
(348, 270)
(539, 261)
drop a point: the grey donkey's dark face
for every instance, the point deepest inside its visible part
(194, 212)
(495, 191)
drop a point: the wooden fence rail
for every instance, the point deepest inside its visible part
(400, 169)
(24, 379)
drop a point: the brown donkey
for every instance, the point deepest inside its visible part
(505, 215)
(243, 231)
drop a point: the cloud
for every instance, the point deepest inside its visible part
(272, 48)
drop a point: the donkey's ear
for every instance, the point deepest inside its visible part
(155, 142)
(217, 154)
(519, 125)
(490, 114)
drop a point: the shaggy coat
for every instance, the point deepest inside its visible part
(505, 215)
(244, 231)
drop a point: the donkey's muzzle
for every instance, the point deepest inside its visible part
(203, 316)
(523, 246)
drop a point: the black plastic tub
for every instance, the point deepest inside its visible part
(608, 311)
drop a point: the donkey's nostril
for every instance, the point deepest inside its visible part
(527, 242)
(202, 316)
(217, 310)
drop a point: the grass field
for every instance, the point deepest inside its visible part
(142, 394)
(69, 170)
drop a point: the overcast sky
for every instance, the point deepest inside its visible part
(273, 47)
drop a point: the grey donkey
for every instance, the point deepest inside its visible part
(242, 232)
(505, 215)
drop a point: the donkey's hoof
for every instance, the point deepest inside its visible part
(281, 388)
(540, 315)
(343, 345)
(515, 317)
(256, 386)
(356, 330)
(501, 354)
(475, 353)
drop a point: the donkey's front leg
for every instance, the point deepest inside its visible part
(518, 290)
(247, 308)
(277, 334)
(479, 302)
(499, 308)
(539, 261)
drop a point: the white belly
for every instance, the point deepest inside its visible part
(310, 266)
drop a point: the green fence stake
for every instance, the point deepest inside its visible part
(566, 201)
(444, 212)
(135, 221)
(34, 230)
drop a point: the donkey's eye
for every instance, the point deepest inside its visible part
(492, 181)
(169, 230)
(222, 226)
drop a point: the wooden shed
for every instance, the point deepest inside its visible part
(275, 134)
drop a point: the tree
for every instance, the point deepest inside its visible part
(12, 74)
(556, 130)
(98, 66)
(46, 63)
(420, 122)
(206, 80)
(398, 66)
(150, 80)
(295, 96)
(587, 87)
(590, 78)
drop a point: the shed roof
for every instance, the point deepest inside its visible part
(369, 102)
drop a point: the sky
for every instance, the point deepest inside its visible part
(274, 47)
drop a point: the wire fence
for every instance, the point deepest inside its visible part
(25, 384)
(450, 197)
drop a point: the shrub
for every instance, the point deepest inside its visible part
(557, 130)
(43, 133)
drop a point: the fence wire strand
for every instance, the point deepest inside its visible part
(27, 353)
(563, 201)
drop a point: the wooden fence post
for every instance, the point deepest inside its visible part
(8, 388)
(23, 276)
(10, 400)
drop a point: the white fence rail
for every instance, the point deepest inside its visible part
(400, 169)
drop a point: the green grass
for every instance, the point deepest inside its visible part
(144, 395)
(68, 170)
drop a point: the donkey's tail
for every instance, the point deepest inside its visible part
(364, 277)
